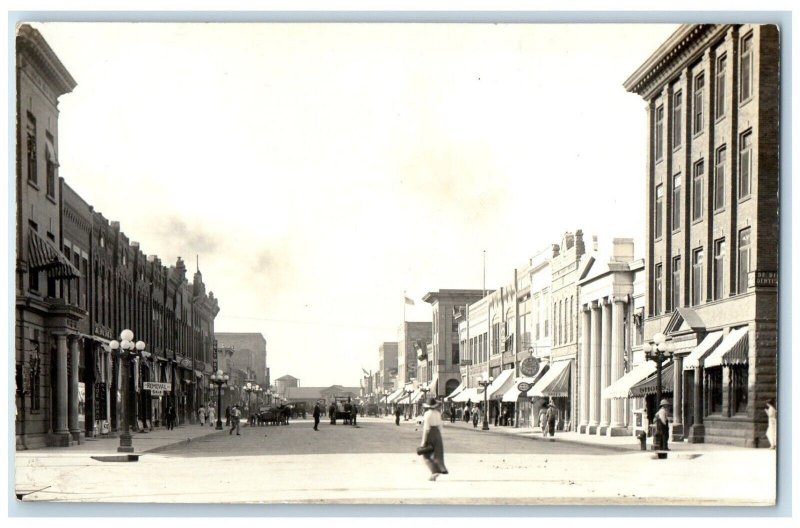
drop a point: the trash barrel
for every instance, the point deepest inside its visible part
(642, 437)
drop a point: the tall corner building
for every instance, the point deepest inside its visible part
(713, 104)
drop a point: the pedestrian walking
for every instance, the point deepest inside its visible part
(332, 413)
(212, 416)
(317, 412)
(236, 415)
(543, 419)
(453, 412)
(170, 416)
(476, 416)
(551, 417)
(397, 413)
(662, 427)
(772, 423)
(432, 436)
(201, 415)
(227, 416)
(354, 413)
(466, 411)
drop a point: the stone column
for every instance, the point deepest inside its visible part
(585, 369)
(594, 371)
(617, 427)
(605, 365)
(677, 400)
(697, 431)
(60, 395)
(74, 361)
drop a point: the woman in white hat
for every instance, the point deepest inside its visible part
(432, 435)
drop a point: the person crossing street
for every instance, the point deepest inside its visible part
(317, 413)
(236, 415)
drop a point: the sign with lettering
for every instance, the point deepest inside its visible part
(523, 386)
(100, 401)
(529, 366)
(157, 386)
(766, 278)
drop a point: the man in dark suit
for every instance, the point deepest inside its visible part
(397, 413)
(316, 416)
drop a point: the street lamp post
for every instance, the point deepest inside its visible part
(127, 349)
(386, 402)
(658, 351)
(485, 384)
(219, 379)
(424, 391)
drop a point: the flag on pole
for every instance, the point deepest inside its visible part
(364, 371)
(409, 301)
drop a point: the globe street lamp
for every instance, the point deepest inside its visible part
(126, 349)
(485, 384)
(219, 379)
(424, 391)
(409, 392)
(658, 351)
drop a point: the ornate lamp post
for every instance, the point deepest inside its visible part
(219, 379)
(485, 384)
(658, 351)
(385, 402)
(424, 391)
(125, 348)
(409, 392)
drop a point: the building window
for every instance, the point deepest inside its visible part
(746, 58)
(745, 163)
(50, 166)
(657, 290)
(677, 99)
(744, 260)
(719, 106)
(33, 174)
(738, 389)
(719, 180)
(699, 84)
(659, 212)
(719, 268)
(659, 132)
(714, 384)
(455, 354)
(697, 190)
(676, 282)
(697, 276)
(676, 202)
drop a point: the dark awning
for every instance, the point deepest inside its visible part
(648, 386)
(45, 256)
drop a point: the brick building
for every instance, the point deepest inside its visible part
(712, 94)
(409, 335)
(250, 352)
(387, 367)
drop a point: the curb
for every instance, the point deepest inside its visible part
(163, 447)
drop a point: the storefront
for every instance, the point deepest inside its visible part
(553, 387)
(636, 418)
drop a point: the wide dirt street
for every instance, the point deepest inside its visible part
(376, 463)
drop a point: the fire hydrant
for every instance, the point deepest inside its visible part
(642, 437)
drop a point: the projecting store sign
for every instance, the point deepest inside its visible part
(529, 366)
(523, 386)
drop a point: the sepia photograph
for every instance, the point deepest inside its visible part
(396, 263)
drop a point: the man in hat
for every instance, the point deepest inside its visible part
(662, 426)
(236, 415)
(317, 412)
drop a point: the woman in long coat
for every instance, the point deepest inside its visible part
(772, 423)
(432, 435)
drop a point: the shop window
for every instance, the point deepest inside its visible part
(714, 386)
(738, 389)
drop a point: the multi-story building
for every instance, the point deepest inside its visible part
(442, 365)
(285, 382)
(250, 352)
(80, 281)
(409, 335)
(387, 367)
(712, 93)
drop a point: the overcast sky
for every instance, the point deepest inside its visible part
(320, 170)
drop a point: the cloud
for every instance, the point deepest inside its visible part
(193, 238)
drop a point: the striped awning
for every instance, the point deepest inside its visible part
(394, 396)
(512, 394)
(46, 257)
(648, 386)
(706, 346)
(732, 351)
(622, 387)
(555, 383)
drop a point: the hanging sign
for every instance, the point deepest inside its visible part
(157, 386)
(523, 386)
(529, 366)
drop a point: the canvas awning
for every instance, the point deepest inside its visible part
(44, 255)
(394, 395)
(416, 396)
(513, 393)
(648, 386)
(455, 392)
(622, 387)
(732, 351)
(466, 395)
(706, 346)
(501, 384)
(555, 383)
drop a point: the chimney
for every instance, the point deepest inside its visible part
(580, 247)
(622, 250)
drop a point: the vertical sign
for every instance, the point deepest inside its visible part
(214, 356)
(100, 401)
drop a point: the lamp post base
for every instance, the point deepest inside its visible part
(485, 426)
(218, 426)
(125, 443)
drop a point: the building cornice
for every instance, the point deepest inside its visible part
(672, 56)
(31, 44)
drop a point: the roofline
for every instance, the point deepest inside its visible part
(29, 38)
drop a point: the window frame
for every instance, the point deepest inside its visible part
(699, 89)
(677, 129)
(746, 59)
(658, 288)
(675, 217)
(698, 179)
(745, 151)
(718, 279)
(659, 133)
(676, 282)
(719, 103)
(698, 258)
(742, 273)
(719, 178)
(658, 223)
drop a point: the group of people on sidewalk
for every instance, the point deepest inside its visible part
(206, 415)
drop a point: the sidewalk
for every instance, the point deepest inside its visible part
(149, 442)
(618, 443)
